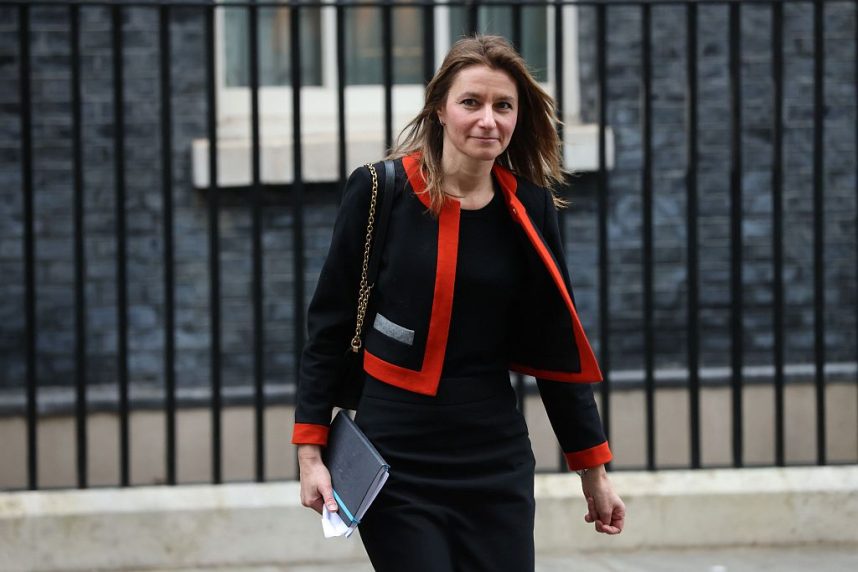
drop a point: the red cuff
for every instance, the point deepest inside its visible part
(592, 457)
(310, 434)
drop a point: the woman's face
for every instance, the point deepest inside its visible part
(480, 114)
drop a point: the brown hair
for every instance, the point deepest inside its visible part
(534, 149)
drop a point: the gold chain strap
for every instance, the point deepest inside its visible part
(363, 295)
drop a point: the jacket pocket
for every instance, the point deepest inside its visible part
(393, 330)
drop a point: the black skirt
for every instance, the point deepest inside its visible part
(460, 493)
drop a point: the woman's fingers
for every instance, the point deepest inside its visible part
(607, 528)
(311, 498)
(591, 510)
(323, 499)
(605, 510)
(611, 517)
(619, 519)
(316, 490)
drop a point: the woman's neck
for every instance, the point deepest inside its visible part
(465, 179)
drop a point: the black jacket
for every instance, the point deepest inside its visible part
(415, 289)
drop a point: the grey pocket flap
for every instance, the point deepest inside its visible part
(395, 331)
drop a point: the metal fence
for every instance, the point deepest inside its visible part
(297, 197)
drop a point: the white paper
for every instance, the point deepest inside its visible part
(333, 525)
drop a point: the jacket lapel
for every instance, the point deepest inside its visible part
(589, 366)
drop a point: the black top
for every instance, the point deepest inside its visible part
(489, 273)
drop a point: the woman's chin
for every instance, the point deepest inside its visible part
(486, 153)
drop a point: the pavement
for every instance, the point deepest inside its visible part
(816, 558)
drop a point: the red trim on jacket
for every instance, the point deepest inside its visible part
(588, 458)
(590, 371)
(426, 380)
(310, 434)
(411, 164)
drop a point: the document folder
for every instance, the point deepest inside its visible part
(358, 471)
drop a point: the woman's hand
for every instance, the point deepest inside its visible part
(604, 507)
(316, 489)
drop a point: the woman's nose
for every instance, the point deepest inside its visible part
(488, 118)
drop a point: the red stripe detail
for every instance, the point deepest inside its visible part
(426, 380)
(507, 180)
(310, 434)
(411, 163)
(588, 458)
(589, 367)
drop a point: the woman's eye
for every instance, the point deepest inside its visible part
(505, 105)
(470, 102)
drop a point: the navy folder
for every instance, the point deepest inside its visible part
(358, 471)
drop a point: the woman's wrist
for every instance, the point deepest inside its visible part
(593, 473)
(309, 453)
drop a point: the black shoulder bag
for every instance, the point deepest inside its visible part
(349, 386)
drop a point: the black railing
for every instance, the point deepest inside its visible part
(298, 196)
(214, 256)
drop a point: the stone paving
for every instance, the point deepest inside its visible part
(758, 559)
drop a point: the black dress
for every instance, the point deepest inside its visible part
(460, 492)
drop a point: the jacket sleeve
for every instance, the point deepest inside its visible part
(575, 419)
(332, 313)
(571, 407)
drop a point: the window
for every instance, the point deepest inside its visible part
(274, 46)
(363, 42)
(364, 49)
(364, 95)
(498, 20)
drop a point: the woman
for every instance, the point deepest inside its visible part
(472, 284)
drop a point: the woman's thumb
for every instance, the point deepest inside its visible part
(328, 495)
